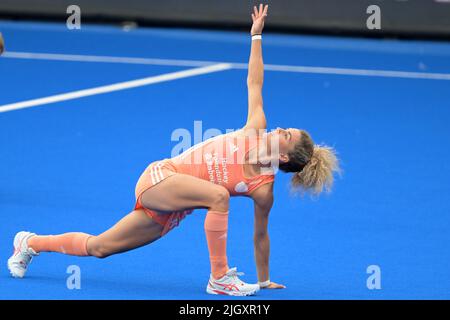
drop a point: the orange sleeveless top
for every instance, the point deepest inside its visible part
(220, 160)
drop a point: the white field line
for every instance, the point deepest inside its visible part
(116, 87)
(362, 72)
(106, 59)
(199, 63)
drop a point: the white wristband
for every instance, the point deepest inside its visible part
(264, 284)
(257, 37)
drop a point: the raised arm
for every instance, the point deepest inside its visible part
(256, 118)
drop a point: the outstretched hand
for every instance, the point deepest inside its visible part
(258, 17)
(274, 285)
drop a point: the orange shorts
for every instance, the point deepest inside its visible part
(155, 173)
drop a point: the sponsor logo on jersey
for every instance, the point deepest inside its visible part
(241, 187)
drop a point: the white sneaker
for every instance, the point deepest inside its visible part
(22, 256)
(231, 285)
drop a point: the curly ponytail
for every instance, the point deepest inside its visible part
(317, 174)
(313, 166)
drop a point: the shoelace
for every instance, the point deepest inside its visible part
(234, 273)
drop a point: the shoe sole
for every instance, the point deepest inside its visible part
(231, 293)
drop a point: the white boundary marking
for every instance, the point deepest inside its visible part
(105, 59)
(362, 72)
(116, 87)
(200, 63)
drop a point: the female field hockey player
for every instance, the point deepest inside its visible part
(239, 163)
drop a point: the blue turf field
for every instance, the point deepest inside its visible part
(73, 165)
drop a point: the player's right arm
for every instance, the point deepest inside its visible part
(263, 201)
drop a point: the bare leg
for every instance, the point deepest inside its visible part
(180, 192)
(133, 231)
(137, 228)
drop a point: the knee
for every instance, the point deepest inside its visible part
(98, 250)
(220, 199)
(100, 253)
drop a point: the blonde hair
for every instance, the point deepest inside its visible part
(313, 166)
(318, 173)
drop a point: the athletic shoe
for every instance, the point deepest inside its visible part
(231, 285)
(22, 256)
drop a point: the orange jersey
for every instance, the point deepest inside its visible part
(220, 160)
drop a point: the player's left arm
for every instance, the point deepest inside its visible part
(263, 201)
(256, 118)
